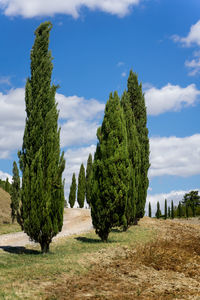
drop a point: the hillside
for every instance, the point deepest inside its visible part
(5, 210)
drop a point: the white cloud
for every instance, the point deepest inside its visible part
(34, 8)
(192, 38)
(175, 156)
(170, 98)
(4, 176)
(176, 196)
(194, 64)
(123, 74)
(79, 118)
(5, 80)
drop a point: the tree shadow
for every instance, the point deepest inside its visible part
(118, 230)
(84, 239)
(19, 250)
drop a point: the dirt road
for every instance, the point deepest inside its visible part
(76, 220)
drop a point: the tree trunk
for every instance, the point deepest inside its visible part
(44, 247)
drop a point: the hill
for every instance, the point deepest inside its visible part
(5, 210)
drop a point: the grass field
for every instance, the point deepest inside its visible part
(26, 273)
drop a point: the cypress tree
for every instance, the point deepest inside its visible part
(81, 187)
(138, 107)
(149, 209)
(15, 192)
(72, 193)
(134, 157)
(169, 212)
(40, 160)
(7, 186)
(172, 209)
(180, 210)
(111, 171)
(158, 212)
(89, 179)
(165, 209)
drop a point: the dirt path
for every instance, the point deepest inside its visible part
(76, 220)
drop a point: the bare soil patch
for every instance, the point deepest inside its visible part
(166, 268)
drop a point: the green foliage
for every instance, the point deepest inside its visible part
(111, 171)
(192, 201)
(15, 193)
(180, 212)
(158, 212)
(134, 157)
(40, 160)
(89, 179)
(169, 212)
(81, 187)
(149, 209)
(5, 185)
(137, 102)
(72, 193)
(172, 209)
(165, 209)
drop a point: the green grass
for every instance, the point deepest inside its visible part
(24, 271)
(9, 228)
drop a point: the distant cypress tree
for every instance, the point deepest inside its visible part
(149, 209)
(40, 160)
(15, 193)
(158, 212)
(134, 156)
(7, 186)
(81, 187)
(72, 193)
(172, 209)
(110, 171)
(179, 210)
(187, 211)
(138, 107)
(169, 212)
(165, 209)
(89, 179)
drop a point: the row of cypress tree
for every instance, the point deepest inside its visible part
(121, 162)
(84, 185)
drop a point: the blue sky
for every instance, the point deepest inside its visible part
(94, 44)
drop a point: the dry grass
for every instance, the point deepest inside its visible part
(166, 268)
(5, 210)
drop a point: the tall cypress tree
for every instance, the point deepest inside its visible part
(180, 210)
(138, 107)
(15, 192)
(72, 193)
(81, 187)
(134, 157)
(158, 212)
(40, 160)
(110, 171)
(165, 209)
(149, 209)
(89, 179)
(7, 186)
(172, 209)
(169, 212)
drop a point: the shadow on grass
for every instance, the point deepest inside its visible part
(84, 239)
(19, 250)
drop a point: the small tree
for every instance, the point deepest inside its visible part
(165, 209)
(149, 209)
(169, 212)
(15, 193)
(172, 209)
(89, 179)
(158, 212)
(180, 210)
(81, 187)
(72, 194)
(7, 186)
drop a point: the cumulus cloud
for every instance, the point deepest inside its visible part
(4, 176)
(170, 98)
(79, 118)
(175, 156)
(192, 38)
(176, 196)
(34, 8)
